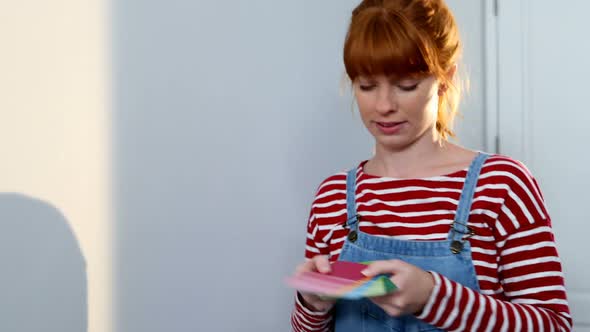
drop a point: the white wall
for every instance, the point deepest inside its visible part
(227, 118)
(470, 124)
(54, 169)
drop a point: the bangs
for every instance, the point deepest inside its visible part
(382, 42)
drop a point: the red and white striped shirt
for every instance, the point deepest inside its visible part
(514, 253)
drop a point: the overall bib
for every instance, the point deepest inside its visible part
(451, 258)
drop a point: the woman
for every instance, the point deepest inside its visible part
(465, 235)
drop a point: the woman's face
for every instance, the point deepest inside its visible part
(398, 111)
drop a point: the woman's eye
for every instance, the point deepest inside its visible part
(366, 87)
(408, 87)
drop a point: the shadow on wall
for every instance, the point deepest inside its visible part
(43, 278)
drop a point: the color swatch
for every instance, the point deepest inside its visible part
(345, 281)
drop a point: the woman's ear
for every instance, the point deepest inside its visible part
(451, 73)
(443, 87)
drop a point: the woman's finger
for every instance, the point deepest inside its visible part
(322, 264)
(318, 263)
(384, 267)
(306, 266)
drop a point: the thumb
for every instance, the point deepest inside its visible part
(383, 267)
(322, 264)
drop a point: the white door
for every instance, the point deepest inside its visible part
(538, 74)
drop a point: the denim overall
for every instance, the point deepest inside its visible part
(451, 258)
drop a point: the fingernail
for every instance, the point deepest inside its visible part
(366, 272)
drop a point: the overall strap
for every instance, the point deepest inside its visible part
(351, 216)
(459, 226)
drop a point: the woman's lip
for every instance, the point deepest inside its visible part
(389, 124)
(390, 128)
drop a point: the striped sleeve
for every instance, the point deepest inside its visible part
(303, 319)
(531, 295)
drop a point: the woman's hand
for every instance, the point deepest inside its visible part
(414, 287)
(312, 301)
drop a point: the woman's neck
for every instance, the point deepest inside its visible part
(415, 161)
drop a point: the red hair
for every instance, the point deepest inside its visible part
(404, 38)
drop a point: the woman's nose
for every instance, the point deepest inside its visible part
(385, 101)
